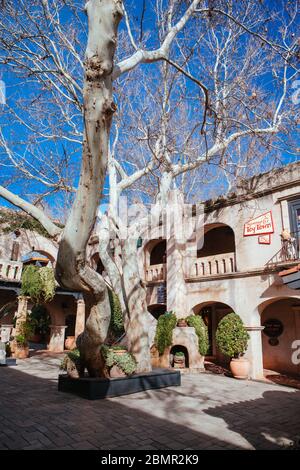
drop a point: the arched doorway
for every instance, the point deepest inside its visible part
(70, 324)
(178, 348)
(212, 313)
(157, 310)
(281, 321)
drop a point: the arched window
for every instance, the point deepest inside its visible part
(217, 240)
(158, 253)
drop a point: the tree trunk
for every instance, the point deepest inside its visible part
(138, 323)
(72, 269)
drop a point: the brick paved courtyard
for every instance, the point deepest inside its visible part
(207, 412)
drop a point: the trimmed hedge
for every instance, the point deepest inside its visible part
(231, 336)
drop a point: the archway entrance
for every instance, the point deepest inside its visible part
(281, 319)
(212, 313)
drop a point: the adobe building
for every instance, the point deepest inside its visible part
(248, 264)
(237, 269)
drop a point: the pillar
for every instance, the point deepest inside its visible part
(21, 315)
(80, 318)
(5, 333)
(254, 352)
(57, 338)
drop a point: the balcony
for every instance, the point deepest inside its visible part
(214, 265)
(10, 270)
(288, 253)
(156, 272)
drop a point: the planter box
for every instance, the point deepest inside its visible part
(94, 388)
(9, 361)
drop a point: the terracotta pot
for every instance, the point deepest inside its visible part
(119, 351)
(179, 362)
(21, 352)
(240, 368)
(37, 338)
(115, 372)
(70, 343)
(182, 323)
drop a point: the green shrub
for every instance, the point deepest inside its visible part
(38, 283)
(21, 340)
(73, 356)
(117, 347)
(164, 331)
(25, 330)
(201, 331)
(40, 318)
(179, 354)
(231, 336)
(116, 320)
(125, 362)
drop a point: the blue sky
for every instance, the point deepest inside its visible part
(19, 88)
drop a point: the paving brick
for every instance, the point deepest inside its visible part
(207, 412)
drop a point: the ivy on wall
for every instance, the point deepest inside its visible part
(201, 331)
(164, 331)
(14, 220)
(38, 283)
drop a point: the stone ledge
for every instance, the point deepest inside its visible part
(99, 388)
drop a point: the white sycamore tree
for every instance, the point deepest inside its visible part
(212, 103)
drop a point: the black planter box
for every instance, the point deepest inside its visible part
(9, 361)
(95, 389)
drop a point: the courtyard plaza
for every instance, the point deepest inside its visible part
(208, 411)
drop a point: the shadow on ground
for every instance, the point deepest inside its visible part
(34, 415)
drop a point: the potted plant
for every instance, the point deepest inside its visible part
(182, 322)
(118, 349)
(232, 340)
(179, 360)
(22, 348)
(25, 330)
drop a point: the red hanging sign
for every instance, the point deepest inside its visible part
(261, 225)
(264, 239)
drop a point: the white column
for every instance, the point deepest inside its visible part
(254, 352)
(80, 318)
(57, 338)
(5, 333)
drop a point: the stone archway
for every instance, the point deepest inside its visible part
(211, 313)
(281, 320)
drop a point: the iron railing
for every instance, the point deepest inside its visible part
(289, 250)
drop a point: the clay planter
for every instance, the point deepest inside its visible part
(240, 368)
(37, 338)
(182, 323)
(179, 362)
(21, 352)
(70, 343)
(115, 372)
(119, 352)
